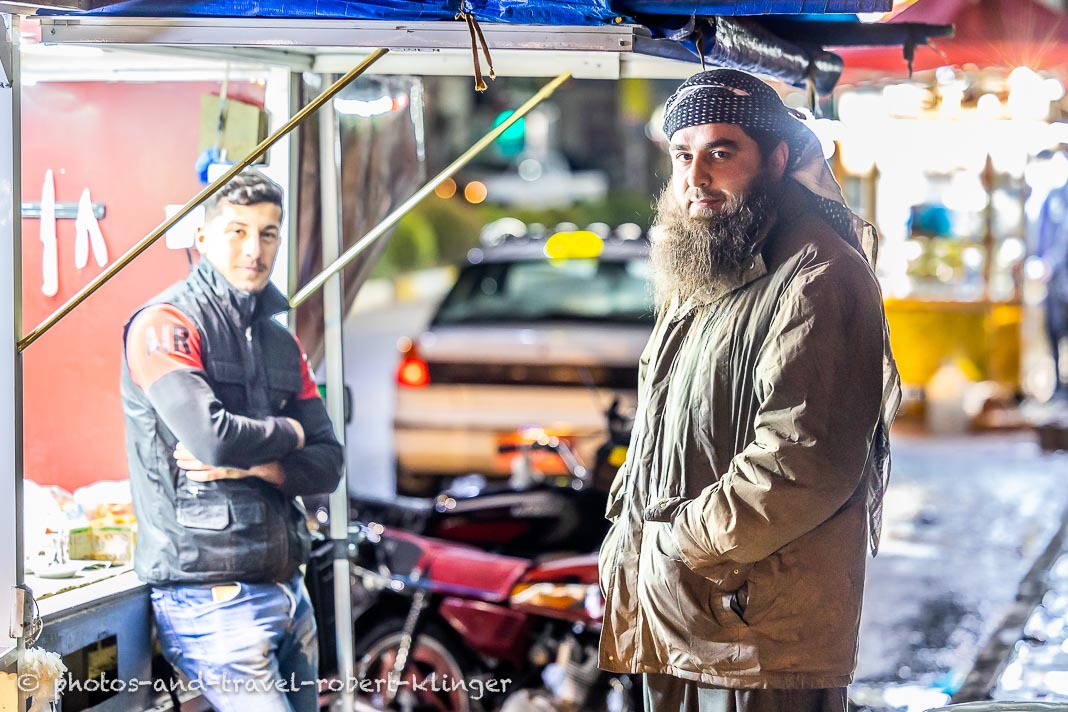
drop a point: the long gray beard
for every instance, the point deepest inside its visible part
(692, 254)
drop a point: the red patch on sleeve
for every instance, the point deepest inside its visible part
(161, 340)
(308, 389)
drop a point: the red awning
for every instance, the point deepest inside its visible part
(987, 33)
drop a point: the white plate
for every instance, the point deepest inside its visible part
(59, 572)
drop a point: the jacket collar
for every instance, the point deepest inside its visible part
(243, 307)
(791, 203)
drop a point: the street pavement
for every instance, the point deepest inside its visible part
(370, 371)
(1037, 670)
(966, 517)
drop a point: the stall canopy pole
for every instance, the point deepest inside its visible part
(202, 196)
(14, 602)
(394, 217)
(333, 311)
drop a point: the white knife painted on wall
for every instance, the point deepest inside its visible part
(49, 253)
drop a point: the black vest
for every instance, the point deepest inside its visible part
(226, 530)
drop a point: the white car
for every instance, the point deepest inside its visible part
(538, 333)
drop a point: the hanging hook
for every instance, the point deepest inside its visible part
(485, 46)
(476, 37)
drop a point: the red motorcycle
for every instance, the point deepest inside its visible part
(447, 627)
(552, 503)
(477, 600)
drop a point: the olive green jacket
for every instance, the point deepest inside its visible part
(740, 518)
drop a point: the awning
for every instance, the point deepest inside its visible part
(558, 31)
(988, 33)
(557, 12)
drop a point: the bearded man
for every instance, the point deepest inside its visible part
(734, 568)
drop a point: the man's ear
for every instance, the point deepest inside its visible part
(200, 242)
(777, 160)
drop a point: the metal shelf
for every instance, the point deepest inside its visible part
(314, 33)
(425, 48)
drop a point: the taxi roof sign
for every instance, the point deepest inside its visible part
(574, 245)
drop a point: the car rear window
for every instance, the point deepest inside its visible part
(588, 290)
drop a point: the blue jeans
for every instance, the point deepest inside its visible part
(254, 652)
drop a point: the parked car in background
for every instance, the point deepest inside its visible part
(543, 329)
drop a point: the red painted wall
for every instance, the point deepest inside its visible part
(134, 146)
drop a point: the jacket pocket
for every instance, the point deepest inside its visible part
(608, 556)
(226, 371)
(246, 513)
(195, 514)
(229, 383)
(727, 610)
(263, 547)
(204, 544)
(663, 540)
(740, 602)
(674, 599)
(283, 386)
(233, 533)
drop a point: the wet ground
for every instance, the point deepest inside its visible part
(966, 518)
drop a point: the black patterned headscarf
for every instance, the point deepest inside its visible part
(729, 96)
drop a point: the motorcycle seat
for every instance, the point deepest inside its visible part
(459, 570)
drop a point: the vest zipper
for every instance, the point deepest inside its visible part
(250, 366)
(248, 397)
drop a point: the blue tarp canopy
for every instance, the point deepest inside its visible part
(524, 12)
(714, 32)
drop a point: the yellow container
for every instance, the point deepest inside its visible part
(103, 542)
(925, 334)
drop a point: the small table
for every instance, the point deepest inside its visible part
(93, 606)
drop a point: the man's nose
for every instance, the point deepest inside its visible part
(251, 247)
(699, 174)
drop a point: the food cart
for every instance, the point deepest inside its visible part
(955, 184)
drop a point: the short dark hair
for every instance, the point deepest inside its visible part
(248, 188)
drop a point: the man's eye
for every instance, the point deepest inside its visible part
(720, 154)
(682, 156)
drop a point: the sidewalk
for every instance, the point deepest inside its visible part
(1037, 670)
(968, 518)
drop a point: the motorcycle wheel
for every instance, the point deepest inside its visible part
(435, 672)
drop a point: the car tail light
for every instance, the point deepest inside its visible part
(412, 372)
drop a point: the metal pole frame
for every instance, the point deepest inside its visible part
(11, 360)
(293, 197)
(333, 320)
(331, 235)
(394, 217)
(333, 306)
(132, 254)
(333, 312)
